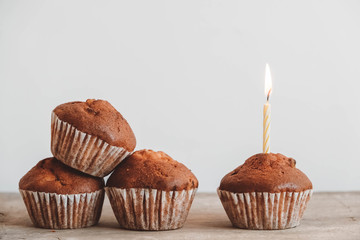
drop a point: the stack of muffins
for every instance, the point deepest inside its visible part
(147, 191)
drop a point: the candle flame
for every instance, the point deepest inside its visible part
(268, 81)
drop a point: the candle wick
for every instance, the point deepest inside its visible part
(268, 95)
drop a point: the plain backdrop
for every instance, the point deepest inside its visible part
(189, 77)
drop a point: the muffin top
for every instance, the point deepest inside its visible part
(98, 118)
(266, 172)
(150, 169)
(52, 176)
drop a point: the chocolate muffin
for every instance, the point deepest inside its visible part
(151, 191)
(266, 192)
(92, 136)
(266, 173)
(57, 196)
(52, 176)
(155, 170)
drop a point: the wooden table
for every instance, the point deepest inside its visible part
(329, 216)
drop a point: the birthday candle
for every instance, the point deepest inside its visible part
(267, 111)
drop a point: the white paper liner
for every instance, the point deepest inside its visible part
(63, 211)
(82, 151)
(150, 209)
(263, 210)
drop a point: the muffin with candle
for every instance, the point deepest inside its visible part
(266, 192)
(59, 197)
(92, 136)
(151, 191)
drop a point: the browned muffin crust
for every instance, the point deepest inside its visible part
(150, 169)
(266, 173)
(52, 176)
(98, 118)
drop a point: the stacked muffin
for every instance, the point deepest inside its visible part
(88, 140)
(57, 196)
(151, 191)
(90, 136)
(147, 191)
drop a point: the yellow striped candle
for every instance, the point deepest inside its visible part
(267, 111)
(266, 127)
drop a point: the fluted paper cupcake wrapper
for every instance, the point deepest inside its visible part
(264, 210)
(150, 209)
(82, 151)
(63, 211)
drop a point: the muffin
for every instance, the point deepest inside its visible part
(90, 136)
(266, 192)
(59, 197)
(151, 191)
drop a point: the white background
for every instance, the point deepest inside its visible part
(189, 78)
